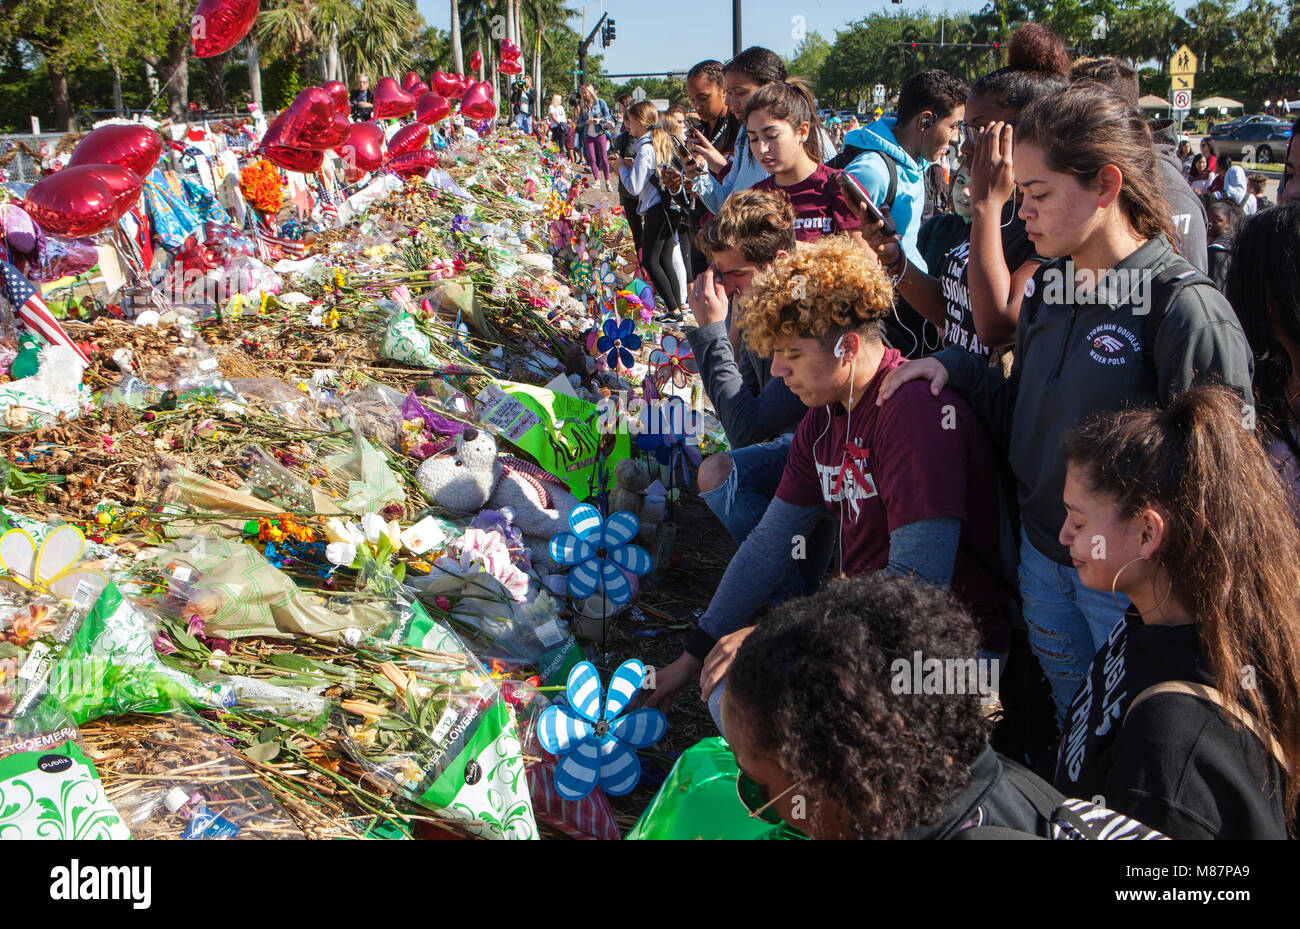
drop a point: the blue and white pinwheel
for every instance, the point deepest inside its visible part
(599, 551)
(605, 276)
(620, 340)
(598, 747)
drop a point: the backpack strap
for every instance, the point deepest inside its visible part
(1165, 288)
(851, 153)
(1211, 695)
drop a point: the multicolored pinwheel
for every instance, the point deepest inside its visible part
(605, 275)
(673, 362)
(580, 274)
(620, 341)
(595, 745)
(599, 551)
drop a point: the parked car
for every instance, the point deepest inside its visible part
(1263, 142)
(1224, 128)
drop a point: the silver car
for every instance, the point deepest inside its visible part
(1255, 143)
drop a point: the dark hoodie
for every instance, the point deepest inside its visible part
(1080, 358)
(1186, 209)
(1175, 763)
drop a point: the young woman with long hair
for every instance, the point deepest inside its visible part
(640, 175)
(1116, 319)
(781, 125)
(1189, 718)
(593, 117)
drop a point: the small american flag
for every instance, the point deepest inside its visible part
(32, 311)
(271, 247)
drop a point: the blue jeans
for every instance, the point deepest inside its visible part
(1067, 622)
(743, 499)
(524, 122)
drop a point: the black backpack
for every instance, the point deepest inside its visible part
(845, 158)
(1062, 818)
(1165, 288)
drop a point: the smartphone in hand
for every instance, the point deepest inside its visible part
(857, 194)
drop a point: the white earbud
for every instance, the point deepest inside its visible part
(839, 348)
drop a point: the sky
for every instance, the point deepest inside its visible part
(671, 35)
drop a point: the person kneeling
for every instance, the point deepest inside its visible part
(912, 485)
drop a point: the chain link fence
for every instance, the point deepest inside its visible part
(15, 159)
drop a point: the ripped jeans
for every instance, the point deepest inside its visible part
(1068, 622)
(743, 499)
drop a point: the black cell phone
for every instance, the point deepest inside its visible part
(856, 193)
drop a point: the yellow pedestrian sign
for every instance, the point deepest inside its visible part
(1182, 69)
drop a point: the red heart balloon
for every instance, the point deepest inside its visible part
(475, 60)
(391, 101)
(414, 164)
(72, 202)
(407, 139)
(443, 83)
(304, 160)
(510, 66)
(477, 103)
(124, 183)
(461, 83)
(136, 148)
(432, 108)
(339, 92)
(364, 149)
(409, 80)
(419, 90)
(312, 122)
(219, 25)
(509, 50)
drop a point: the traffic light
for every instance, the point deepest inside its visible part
(996, 45)
(608, 35)
(913, 46)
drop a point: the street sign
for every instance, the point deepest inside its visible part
(638, 93)
(878, 94)
(1182, 99)
(1182, 69)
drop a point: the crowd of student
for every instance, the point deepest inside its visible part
(1031, 431)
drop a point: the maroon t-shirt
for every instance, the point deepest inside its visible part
(922, 457)
(819, 205)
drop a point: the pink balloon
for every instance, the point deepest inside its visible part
(443, 84)
(72, 202)
(510, 66)
(475, 60)
(418, 91)
(461, 83)
(220, 25)
(124, 183)
(136, 148)
(391, 101)
(509, 50)
(477, 103)
(364, 149)
(432, 108)
(312, 122)
(409, 80)
(414, 164)
(408, 139)
(339, 91)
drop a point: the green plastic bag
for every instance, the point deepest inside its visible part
(562, 433)
(699, 801)
(404, 342)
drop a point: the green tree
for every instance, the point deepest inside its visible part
(1257, 27)
(1211, 31)
(808, 58)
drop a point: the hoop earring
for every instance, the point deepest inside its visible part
(1115, 580)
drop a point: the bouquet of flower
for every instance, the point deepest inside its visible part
(262, 186)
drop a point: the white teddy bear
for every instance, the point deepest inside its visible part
(471, 476)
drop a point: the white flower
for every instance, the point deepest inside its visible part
(341, 553)
(325, 377)
(336, 530)
(372, 527)
(394, 532)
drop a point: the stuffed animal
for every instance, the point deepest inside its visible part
(635, 492)
(471, 476)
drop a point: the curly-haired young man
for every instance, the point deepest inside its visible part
(913, 486)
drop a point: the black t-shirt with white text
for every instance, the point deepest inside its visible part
(952, 275)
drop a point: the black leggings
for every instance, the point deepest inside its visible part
(633, 219)
(659, 238)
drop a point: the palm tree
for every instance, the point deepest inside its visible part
(456, 53)
(545, 15)
(1212, 31)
